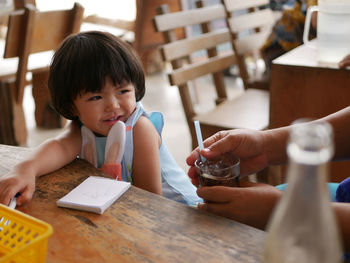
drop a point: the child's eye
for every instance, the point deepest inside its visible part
(123, 91)
(93, 98)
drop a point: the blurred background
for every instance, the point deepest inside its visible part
(160, 96)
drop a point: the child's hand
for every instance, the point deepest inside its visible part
(13, 183)
(345, 62)
(251, 203)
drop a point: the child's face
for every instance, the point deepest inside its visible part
(99, 111)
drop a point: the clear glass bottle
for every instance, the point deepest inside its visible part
(303, 227)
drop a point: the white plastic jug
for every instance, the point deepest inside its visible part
(333, 30)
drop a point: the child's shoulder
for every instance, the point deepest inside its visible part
(144, 128)
(144, 123)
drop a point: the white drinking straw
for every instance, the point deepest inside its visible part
(199, 138)
(13, 203)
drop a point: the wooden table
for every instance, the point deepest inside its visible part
(138, 227)
(301, 87)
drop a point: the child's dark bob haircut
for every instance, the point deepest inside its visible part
(82, 63)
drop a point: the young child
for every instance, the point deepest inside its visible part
(97, 82)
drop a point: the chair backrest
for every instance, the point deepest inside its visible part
(250, 22)
(31, 31)
(139, 32)
(118, 23)
(20, 4)
(211, 62)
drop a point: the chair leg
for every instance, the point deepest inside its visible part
(13, 129)
(45, 115)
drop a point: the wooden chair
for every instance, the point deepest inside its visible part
(248, 110)
(29, 34)
(250, 22)
(20, 4)
(15, 5)
(140, 33)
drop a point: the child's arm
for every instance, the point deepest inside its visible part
(146, 164)
(48, 157)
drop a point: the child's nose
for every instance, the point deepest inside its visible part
(112, 104)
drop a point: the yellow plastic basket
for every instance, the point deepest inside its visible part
(22, 238)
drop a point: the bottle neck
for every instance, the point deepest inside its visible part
(307, 181)
(310, 149)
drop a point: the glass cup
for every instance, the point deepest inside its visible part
(223, 170)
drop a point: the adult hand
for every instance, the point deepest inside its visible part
(251, 203)
(247, 144)
(345, 62)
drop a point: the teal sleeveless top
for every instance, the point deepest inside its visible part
(175, 183)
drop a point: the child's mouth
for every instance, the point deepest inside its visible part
(113, 120)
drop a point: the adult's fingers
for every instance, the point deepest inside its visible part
(192, 172)
(192, 157)
(216, 144)
(193, 175)
(195, 181)
(216, 194)
(222, 142)
(221, 209)
(214, 138)
(213, 146)
(224, 194)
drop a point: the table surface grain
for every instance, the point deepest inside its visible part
(138, 227)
